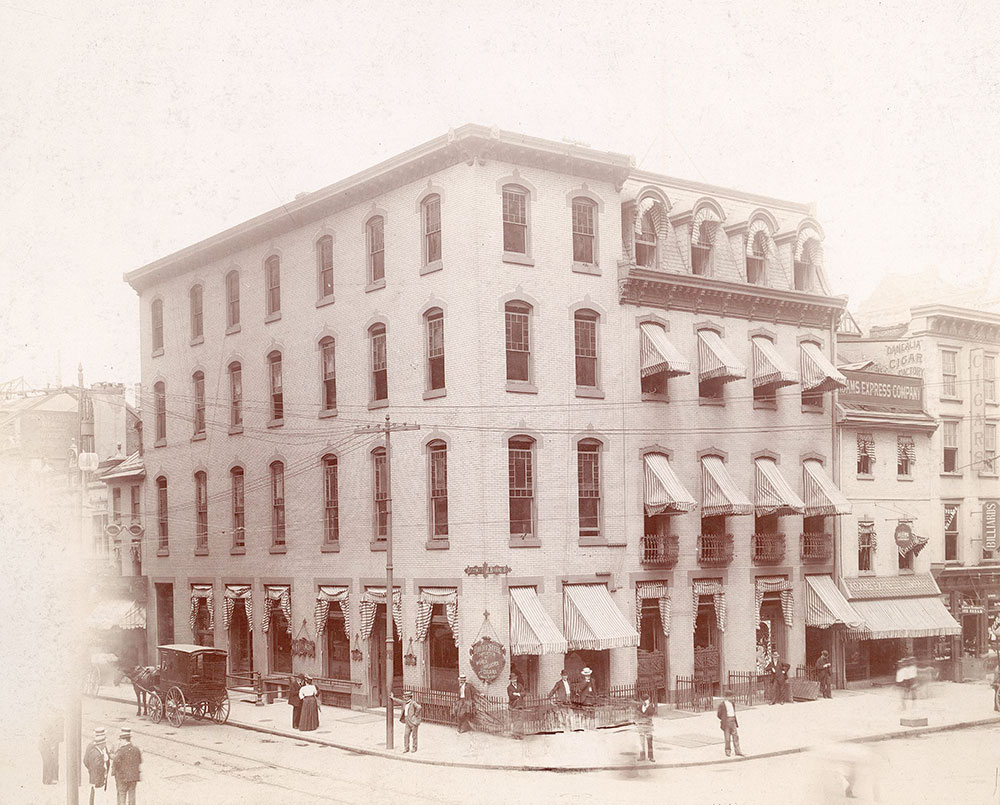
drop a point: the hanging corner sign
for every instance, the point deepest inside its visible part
(487, 658)
(903, 535)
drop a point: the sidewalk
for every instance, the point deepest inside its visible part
(681, 739)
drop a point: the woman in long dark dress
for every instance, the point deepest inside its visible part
(309, 720)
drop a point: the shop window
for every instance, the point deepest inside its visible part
(280, 641)
(203, 635)
(442, 651)
(951, 523)
(338, 647)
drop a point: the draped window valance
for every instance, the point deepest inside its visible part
(280, 594)
(199, 593)
(657, 590)
(233, 594)
(427, 598)
(371, 598)
(718, 593)
(774, 584)
(332, 595)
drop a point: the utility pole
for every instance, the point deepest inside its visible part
(387, 429)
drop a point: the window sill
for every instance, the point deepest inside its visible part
(945, 398)
(238, 550)
(323, 301)
(163, 552)
(375, 286)
(199, 437)
(374, 405)
(430, 268)
(592, 542)
(988, 474)
(433, 394)
(198, 339)
(649, 396)
(765, 405)
(157, 352)
(525, 542)
(201, 551)
(812, 409)
(905, 478)
(328, 414)
(589, 392)
(330, 547)
(276, 423)
(517, 259)
(278, 549)
(906, 571)
(235, 430)
(270, 317)
(438, 544)
(587, 268)
(232, 329)
(862, 477)
(520, 387)
(377, 545)
(951, 475)
(711, 401)
(160, 443)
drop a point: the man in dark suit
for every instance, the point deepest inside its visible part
(515, 701)
(295, 685)
(728, 723)
(779, 679)
(465, 706)
(823, 670)
(562, 695)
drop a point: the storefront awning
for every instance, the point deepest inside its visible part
(769, 368)
(716, 360)
(772, 493)
(663, 491)
(592, 620)
(719, 494)
(906, 617)
(826, 605)
(657, 355)
(818, 374)
(121, 612)
(823, 498)
(531, 629)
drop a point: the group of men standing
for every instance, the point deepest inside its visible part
(123, 764)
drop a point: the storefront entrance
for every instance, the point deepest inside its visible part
(338, 648)
(203, 633)
(164, 614)
(707, 645)
(597, 661)
(652, 652)
(526, 667)
(240, 641)
(377, 669)
(442, 653)
(279, 643)
(771, 633)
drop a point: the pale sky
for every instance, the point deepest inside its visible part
(129, 130)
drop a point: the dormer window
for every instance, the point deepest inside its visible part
(645, 242)
(701, 248)
(807, 257)
(756, 256)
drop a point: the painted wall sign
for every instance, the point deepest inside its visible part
(872, 388)
(487, 570)
(990, 524)
(977, 420)
(488, 658)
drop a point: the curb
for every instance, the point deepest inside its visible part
(356, 750)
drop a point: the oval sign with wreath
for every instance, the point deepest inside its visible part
(487, 658)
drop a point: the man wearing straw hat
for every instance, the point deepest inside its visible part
(97, 759)
(412, 715)
(125, 767)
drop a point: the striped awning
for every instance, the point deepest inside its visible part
(818, 374)
(906, 617)
(531, 629)
(592, 620)
(663, 491)
(121, 612)
(716, 361)
(823, 498)
(769, 368)
(772, 493)
(826, 605)
(657, 355)
(719, 494)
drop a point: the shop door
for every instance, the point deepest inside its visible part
(279, 643)
(377, 667)
(203, 635)
(771, 634)
(442, 652)
(338, 648)
(240, 641)
(652, 653)
(707, 645)
(526, 668)
(164, 614)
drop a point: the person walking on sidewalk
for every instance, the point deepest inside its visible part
(412, 715)
(823, 666)
(779, 679)
(125, 767)
(515, 701)
(728, 723)
(309, 720)
(644, 726)
(294, 686)
(97, 760)
(465, 705)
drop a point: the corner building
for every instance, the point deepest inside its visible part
(624, 392)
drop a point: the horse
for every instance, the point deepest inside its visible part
(144, 679)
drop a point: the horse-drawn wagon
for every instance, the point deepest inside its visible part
(190, 680)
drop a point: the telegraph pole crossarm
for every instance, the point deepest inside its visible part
(386, 429)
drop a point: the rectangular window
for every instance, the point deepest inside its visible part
(584, 228)
(435, 350)
(157, 316)
(588, 472)
(380, 370)
(136, 493)
(331, 501)
(949, 441)
(324, 265)
(439, 490)
(201, 511)
(277, 504)
(199, 403)
(645, 242)
(232, 299)
(585, 326)
(905, 456)
(277, 394)
(951, 533)
(866, 454)
(376, 249)
(990, 447)
(197, 313)
(239, 510)
(116, 504)
(380, 488)
(273, 270)
(161, 514)
(949, 373)
(518, 346)
(515, 220)
(328, 348)
(990, 378)
(235, 396)
(866, 545)
(160, 403)
(521, 489)
(432, 229)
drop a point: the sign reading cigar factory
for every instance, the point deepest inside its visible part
(487, 658)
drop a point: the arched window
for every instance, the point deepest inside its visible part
(376, 249)
(431, 207)
(328, 360)
(437, 456)
(517, 316)
(156, 314)
(584, 231)
(160, 410)
(515, 219)
(324, 265)
(277, 394)
(434, 322)
(588, 465)
(380, 493)
(198, 379)
(272, 272)
(645, 242)
(277, 503)
(236, 478)
(701, 247)
(331, 501)
(232, 299)
(521, 486)
(235, 395)
(197, 312)
(162, 523)
(201, 511)
(380, 371)
(756, 258)
(585, 336)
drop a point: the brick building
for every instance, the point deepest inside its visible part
(624, 391)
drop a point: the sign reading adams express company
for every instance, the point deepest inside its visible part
(872, 388)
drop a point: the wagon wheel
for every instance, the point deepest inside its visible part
(93, 681)
(200, 709)
(154, 707)
(175, 705)
(220, 710)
